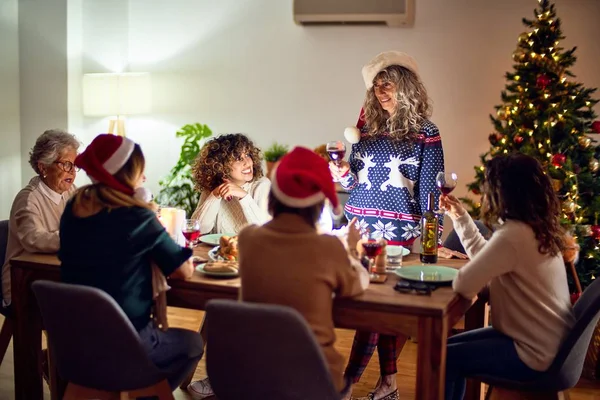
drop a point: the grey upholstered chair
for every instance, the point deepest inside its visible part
(244, 338)
(565, 371)
(95, 346)
(7, 326)
(452, 241)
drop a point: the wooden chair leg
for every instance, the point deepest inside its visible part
(188, 380)
(5, 336)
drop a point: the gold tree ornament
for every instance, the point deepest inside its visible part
(594, 165)
(584, 142)
(569, 206)
(557, 184)
(586, 230)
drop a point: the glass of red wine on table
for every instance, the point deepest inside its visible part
(446, 182)
(336, 151)
(373, 243)
(191, 231)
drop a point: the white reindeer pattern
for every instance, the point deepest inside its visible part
(396, 178)
(363, 174)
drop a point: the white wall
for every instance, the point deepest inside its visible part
(43, 72)
(10, 150)
(244, 66)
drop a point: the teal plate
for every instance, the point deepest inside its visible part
(427, 273)
(213, 239)
(200, 268)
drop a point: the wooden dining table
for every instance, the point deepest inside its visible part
(428, 318)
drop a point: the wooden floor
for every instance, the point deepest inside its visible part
(191, 319)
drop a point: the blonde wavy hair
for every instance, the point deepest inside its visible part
(91, 199)
(412, 105)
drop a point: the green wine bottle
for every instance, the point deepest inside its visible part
(429, 234)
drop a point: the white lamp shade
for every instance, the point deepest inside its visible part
(117, 94)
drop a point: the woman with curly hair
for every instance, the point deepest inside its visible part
(523, 269)
(234, 192)
(396, 154)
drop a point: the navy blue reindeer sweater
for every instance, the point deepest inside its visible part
(389, 181)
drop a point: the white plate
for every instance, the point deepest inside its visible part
(213, 238)
(200, 268)
(395, 251)
(213, 254)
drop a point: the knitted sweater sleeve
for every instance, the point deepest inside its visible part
(207, 210)
(350, 180)
(255, 204)
(432, 162)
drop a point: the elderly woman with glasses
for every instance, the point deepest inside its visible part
(37, 208)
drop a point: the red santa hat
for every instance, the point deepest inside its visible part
(302, 179)
(104, 157)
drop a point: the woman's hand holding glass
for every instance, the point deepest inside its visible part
(228, 190)
(452, 206)
(339, 170)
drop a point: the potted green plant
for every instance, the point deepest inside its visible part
(177, 189)
(273, 154)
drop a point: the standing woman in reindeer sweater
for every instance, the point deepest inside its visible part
(396, 154)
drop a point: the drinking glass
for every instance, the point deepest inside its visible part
(336, 151)
(446, 182)
(191, 231)
(373, 243)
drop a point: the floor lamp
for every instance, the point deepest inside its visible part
(117, 95)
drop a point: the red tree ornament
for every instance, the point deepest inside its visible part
(596, 126)
(596, 232)
(542, 81)
(558, 160)
(518, 140)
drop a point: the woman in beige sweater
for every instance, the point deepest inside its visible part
(305, 270)
(523, 268)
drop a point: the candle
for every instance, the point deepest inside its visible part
(173, 219)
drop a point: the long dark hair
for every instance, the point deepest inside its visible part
(309, 214)
(516, 187)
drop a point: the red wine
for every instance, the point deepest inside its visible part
(191, 236)
(373, 249)
(446, 189)
(336, 155)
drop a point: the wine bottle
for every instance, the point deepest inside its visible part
(429, 233)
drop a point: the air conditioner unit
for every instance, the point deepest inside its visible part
(358, 12)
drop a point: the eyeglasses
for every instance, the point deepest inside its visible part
(67, 166)
(416, 287)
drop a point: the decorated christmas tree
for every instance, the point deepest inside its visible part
(547, 114)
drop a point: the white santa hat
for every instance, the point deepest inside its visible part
(104, 157)
(384, 60)
(369, 72)
(302, 179)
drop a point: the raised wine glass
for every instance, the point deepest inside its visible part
(373, 243)
(446, 182)
(336, 151)
(191, 231)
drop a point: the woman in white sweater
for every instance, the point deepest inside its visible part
(523, 269)
(234, 192)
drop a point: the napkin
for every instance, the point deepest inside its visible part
(159, 294)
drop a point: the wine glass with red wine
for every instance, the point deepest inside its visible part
(191, 231)
(336, 151)
(446, 182)
(373, 243)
